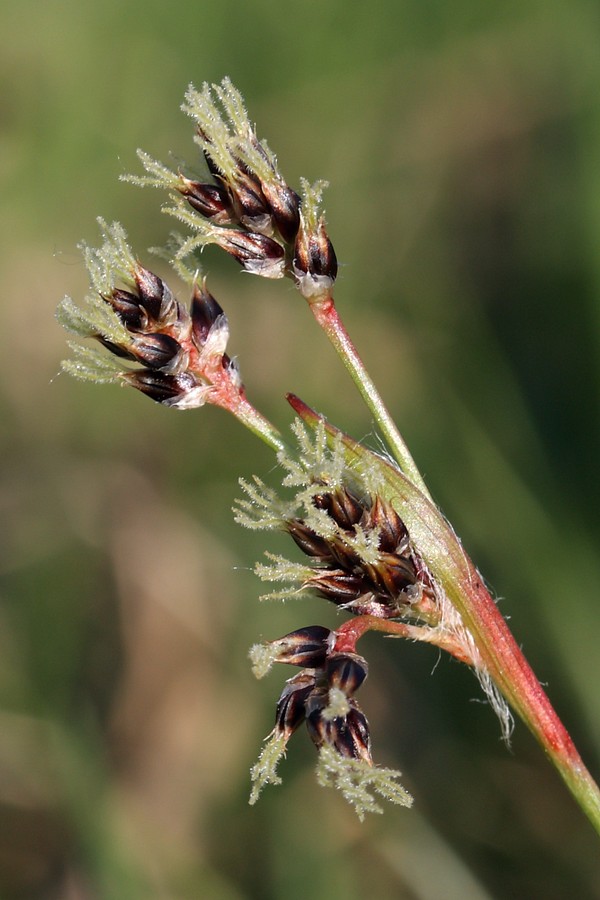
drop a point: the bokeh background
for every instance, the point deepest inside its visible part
(462, 143)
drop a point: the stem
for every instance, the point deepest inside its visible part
(327, 316)
(258, 424)
(350, 632)
(230, 395)
(517, 681)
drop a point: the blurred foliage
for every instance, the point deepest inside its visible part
(462, 143)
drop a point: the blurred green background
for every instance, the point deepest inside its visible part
(462, 143)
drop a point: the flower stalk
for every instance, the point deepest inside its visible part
(328, 318)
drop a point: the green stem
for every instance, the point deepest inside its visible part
(258, 424)
(327, 316)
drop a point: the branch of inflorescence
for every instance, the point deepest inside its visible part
(326, 315)
(500, 653)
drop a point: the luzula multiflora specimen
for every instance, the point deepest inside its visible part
(374, 543)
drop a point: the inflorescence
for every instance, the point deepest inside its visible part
(244, 207)
(359, 553)
(133, 313)
(361, 558)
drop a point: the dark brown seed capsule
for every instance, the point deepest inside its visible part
(342, 505)
(151, 291)
(247, 199)
(318, 727)
(392, 573)
(309, 542)
(210, 200)
(357, 728)
(346, 671)
(393, 534)
(284, 204)
(205, 312)
(314, 254)
(257, 253)
(344, 555)
(155, 350)
(117, 349)
(338, 586)
(348, 735)
(159, 386)
(305, 647)
(129, 310)
(290, 711)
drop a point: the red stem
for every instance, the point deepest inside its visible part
(513, 674)
(350, 633)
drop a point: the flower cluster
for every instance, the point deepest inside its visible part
(246, 207)
(366, 565)
(360, 556)
(133, 313)
(322, 696)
